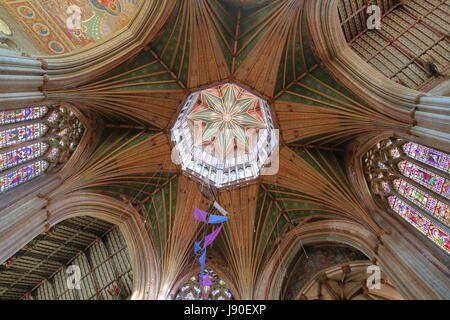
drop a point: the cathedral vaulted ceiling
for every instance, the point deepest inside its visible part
(264, 48)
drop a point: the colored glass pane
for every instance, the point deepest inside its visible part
(426, 178)
(53, 116)
(395, 153)
(53, 153)
(19, 115)
(436, 208)
(22, 175)
(421, 223)
(193, 290)
(382, 165)
(21, 134)
(26, 150)
(18, 156)
(427, 155)
(386, 187)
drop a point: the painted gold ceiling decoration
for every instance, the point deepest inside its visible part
(46, 21)
(5, 30)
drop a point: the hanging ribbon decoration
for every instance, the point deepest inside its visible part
(200, 246)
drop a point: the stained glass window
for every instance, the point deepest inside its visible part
(53, 116)
(22, 158)
(426, 178)
(427, 155)
(437, 208)
(428, 228)
(22, 175)
(21, 134)
(18, 156)
(395, 153)
(193, 290)
(19, 115)
(386, 187)
(413, 180)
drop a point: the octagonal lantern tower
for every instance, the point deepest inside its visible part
(224, 136)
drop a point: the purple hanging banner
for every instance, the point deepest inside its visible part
(211, 237)
(203, 216)
(200, 215)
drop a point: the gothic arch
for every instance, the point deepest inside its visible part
(428, 271)
(129, 220)
(334, 231)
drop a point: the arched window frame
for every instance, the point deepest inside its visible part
(383, 174)
(192, 290)
(60, 131)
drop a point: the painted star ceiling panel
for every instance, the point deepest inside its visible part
(224, 135)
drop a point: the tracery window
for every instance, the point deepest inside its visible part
(193, 290)
(35, 140)
(413, 180)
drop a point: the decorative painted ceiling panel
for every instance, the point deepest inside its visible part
(224, 134)
(46, 21)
